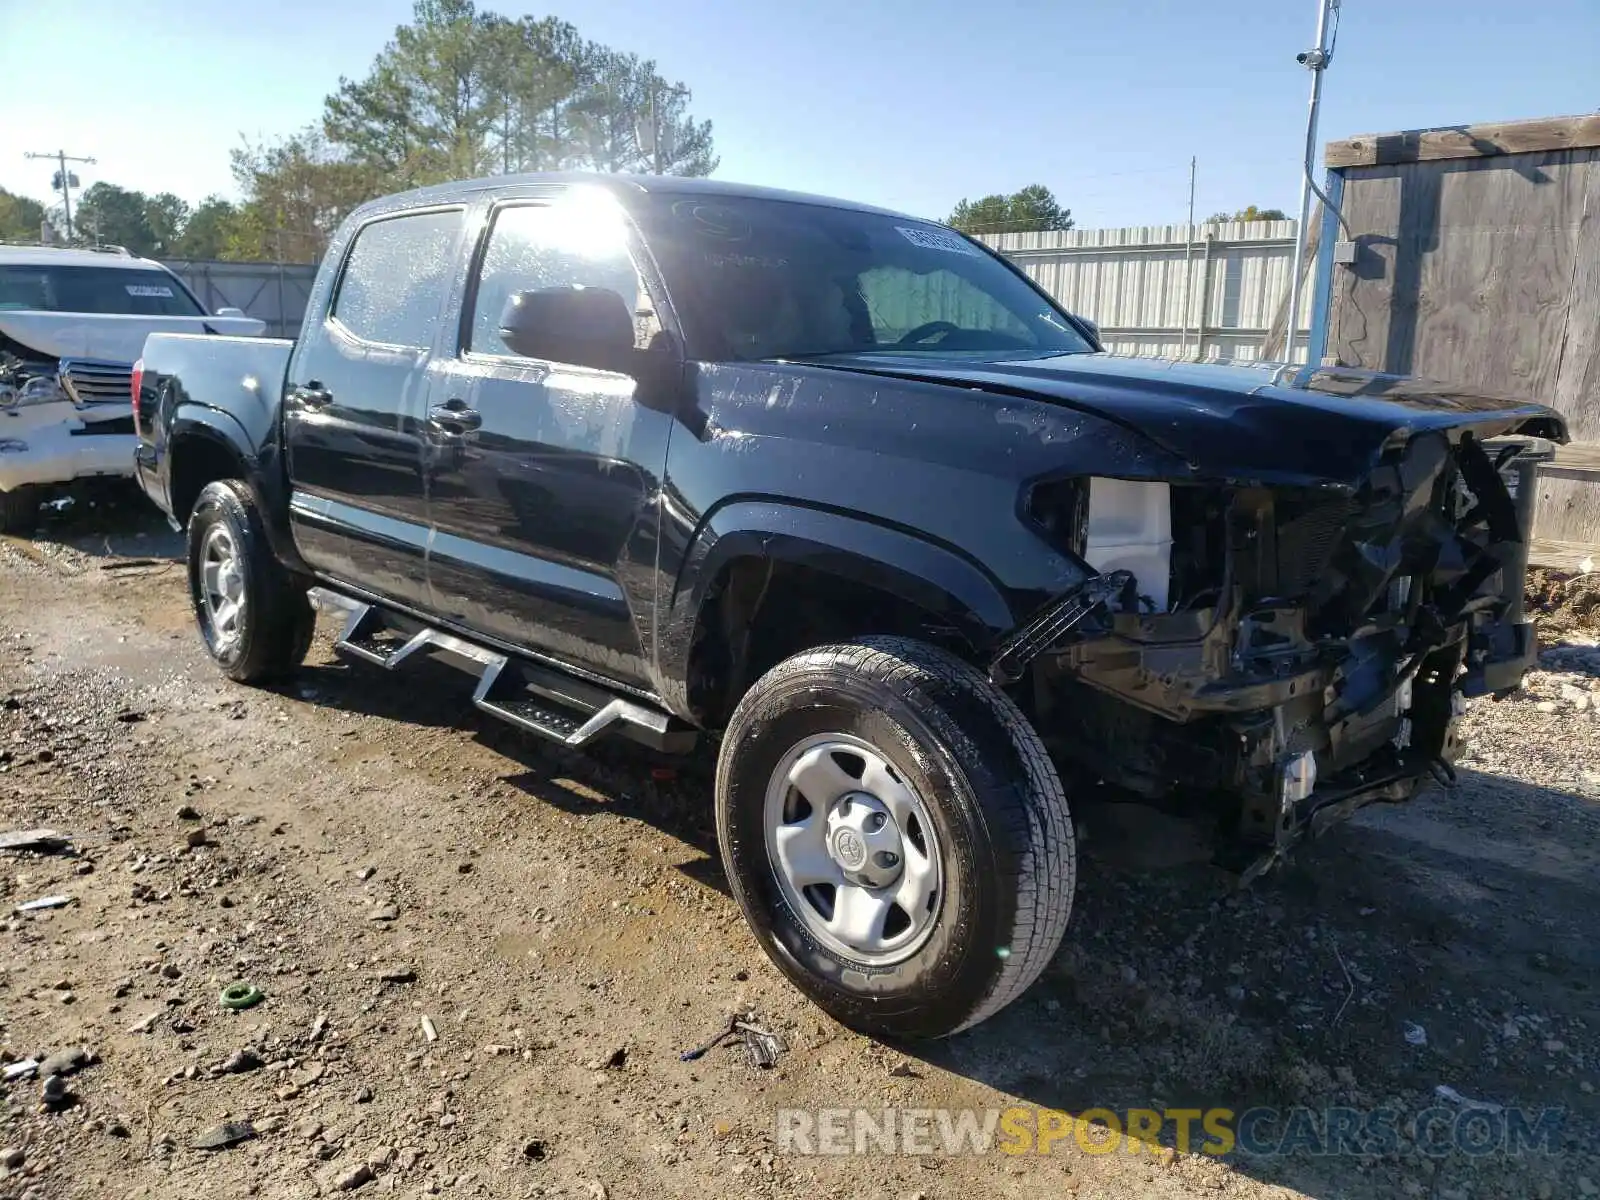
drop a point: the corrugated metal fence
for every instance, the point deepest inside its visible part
(1149, 289)
(271, 292)
(1153, 291)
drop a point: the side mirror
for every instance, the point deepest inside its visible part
(585, 326)
(229, 312)
(1092, 327)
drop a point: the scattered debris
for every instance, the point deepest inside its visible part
(1416, 1035)
(54, 1091)
(762, 1047)
(397, 975)
(241, 1061)
(145, 1023)
(39, 841)
(21, 1070)
(241, 995)
(1445, 1092)
(903, 1070)
(319, 1026)
(357, 1175)
(428, 1031)
(43, 903)
(384, 912)
(535, 1150)
(221, 1137)
(188, 812)
(65, 1062)
(13, 1158)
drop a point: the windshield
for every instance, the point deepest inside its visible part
(755, 279)
(110, 290)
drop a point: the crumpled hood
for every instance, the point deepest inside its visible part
(112, 337)
(1260, 423)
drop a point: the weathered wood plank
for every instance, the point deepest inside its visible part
(1578, 456)
(1464, 271)
(1577, 381)
(1465, 141)
(1567, 510)
(1358, 319)
(1560, 556)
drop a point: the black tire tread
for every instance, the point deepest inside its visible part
(1045, 879)
(282, 621)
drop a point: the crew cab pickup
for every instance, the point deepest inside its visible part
(71, 324)
(842, 492)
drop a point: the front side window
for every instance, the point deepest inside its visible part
(758, 278)
(578, 241)
(396, 276)
(114, 291)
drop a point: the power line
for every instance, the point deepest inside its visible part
(63, 181)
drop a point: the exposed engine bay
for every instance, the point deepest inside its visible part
(1277, 658)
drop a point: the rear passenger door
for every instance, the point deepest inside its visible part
(356, 400)
(543, 476)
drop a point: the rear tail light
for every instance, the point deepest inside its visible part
(135, 386)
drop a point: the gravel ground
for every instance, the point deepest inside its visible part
(481, 956)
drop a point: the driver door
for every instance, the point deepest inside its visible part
(542, 476)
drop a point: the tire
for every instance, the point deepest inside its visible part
(986, 808)
(19, 510)
(267, 635)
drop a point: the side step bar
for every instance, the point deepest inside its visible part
(539, 699)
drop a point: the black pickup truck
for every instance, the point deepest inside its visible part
(844, 492)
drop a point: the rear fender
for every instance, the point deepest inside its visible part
(216, 433)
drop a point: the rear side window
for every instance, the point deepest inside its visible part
(396, 277)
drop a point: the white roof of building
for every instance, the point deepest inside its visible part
(66, 256)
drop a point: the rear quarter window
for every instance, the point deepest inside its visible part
(396, 276)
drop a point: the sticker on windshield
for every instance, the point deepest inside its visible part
(150, 289)
(938, 239)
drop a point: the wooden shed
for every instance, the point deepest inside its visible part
(1471, 254)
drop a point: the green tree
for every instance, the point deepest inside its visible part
(461, 92)
(296, 191)
(631, 119)
(20, 218)
(1251, 214)
(206, 232)
(165, 216)
(1032, 208)
(115, 216)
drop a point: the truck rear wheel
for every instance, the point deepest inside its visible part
(896, 835)
(257, 624)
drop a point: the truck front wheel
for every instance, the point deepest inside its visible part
(896, 835)
(256, 623)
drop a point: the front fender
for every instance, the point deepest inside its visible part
(941, 580)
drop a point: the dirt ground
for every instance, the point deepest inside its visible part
(481, 957)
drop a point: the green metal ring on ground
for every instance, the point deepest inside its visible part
(241, 995)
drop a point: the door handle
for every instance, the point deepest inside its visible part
(454, 417)
(313, 395)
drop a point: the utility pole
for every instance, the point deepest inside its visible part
(64, 181)
(1316, 61)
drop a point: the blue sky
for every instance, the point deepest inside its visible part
(911, 104)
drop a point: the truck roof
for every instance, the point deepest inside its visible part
(68, 256)
(624, 186)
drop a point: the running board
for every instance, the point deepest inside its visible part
(539, 699)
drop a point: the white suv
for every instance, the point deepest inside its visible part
(72, 322)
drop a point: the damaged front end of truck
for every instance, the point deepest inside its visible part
(1309, 650)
